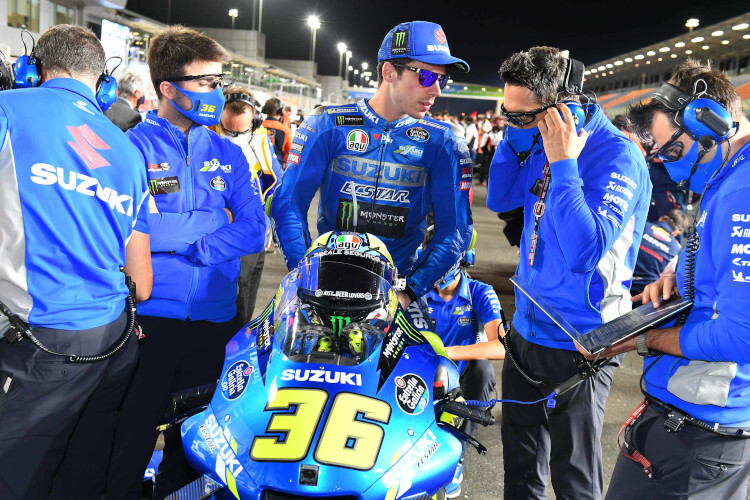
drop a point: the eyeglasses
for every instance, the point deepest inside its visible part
(672, 149)
(426, 77)
(522, 118)
(214, 81)
(231, 133)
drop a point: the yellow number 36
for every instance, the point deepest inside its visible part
(208, 108)
(350, 436)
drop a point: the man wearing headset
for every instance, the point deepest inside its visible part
(241, 124)
(691, 438)
(585, 197)
(207, 213)
(381, 166)
(73, 212)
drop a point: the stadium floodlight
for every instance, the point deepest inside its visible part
(739, 27)
(692, 23)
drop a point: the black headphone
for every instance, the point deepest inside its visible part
(27, 71)
(249, 100)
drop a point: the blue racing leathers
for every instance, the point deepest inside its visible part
(396, 171)
(72, 194)
(712, 381)
(588, 234)
(195, 250)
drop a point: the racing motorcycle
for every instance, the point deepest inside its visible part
(334, 392)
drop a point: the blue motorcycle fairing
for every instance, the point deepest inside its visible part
(369, 439)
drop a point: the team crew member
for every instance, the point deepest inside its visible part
(696, 375)
(130, 95)
(466, 312)
(381, 166)
(659, 249)
(278, 131)
(240, 123)
(74, 211)
(585, 199)
(208, 213)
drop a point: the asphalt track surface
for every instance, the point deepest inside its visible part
(496, 262)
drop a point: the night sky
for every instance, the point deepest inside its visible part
(482, 33)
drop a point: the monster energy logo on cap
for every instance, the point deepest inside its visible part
(400, 42)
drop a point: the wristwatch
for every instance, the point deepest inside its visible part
(640, 344)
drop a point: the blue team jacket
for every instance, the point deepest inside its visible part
(588, 235)
(712, 381)
(195, 251)
(72, 193)
(398, 172)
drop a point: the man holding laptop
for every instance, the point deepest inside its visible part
(690, 437)
(586, 191)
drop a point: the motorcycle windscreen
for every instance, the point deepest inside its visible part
(338, 313)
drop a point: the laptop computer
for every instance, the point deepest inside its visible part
(632, 323)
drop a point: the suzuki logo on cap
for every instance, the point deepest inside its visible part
(440, 36)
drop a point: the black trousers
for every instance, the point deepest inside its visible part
(565, 440)
(57, 418)
(691, 463)
(477, 383)
(176, 355)
(250, 272)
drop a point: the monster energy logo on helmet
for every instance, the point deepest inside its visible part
(339, 322)
(400, 42)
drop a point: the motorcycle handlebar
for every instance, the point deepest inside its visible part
(480, 416)
(189, 399)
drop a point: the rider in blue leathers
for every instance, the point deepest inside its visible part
(395, 163)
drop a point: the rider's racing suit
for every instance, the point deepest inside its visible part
(397, 172)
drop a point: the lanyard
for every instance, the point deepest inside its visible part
(627, 449)
(539, 210)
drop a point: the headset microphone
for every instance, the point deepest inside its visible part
(706, 142)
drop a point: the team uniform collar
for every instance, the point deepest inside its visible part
(378, 121)
(72, 85)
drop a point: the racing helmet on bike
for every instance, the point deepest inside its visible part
(345, 287)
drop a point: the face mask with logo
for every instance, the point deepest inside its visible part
(206, 106)
(680, 170)
(140, 101)
(523, 141)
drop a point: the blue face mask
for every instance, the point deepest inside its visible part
(206, 106)
(680, 169)
(452, 275)
(524, 141)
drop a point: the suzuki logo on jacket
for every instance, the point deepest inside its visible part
(392, 173)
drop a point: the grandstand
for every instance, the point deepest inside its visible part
(631, 77)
